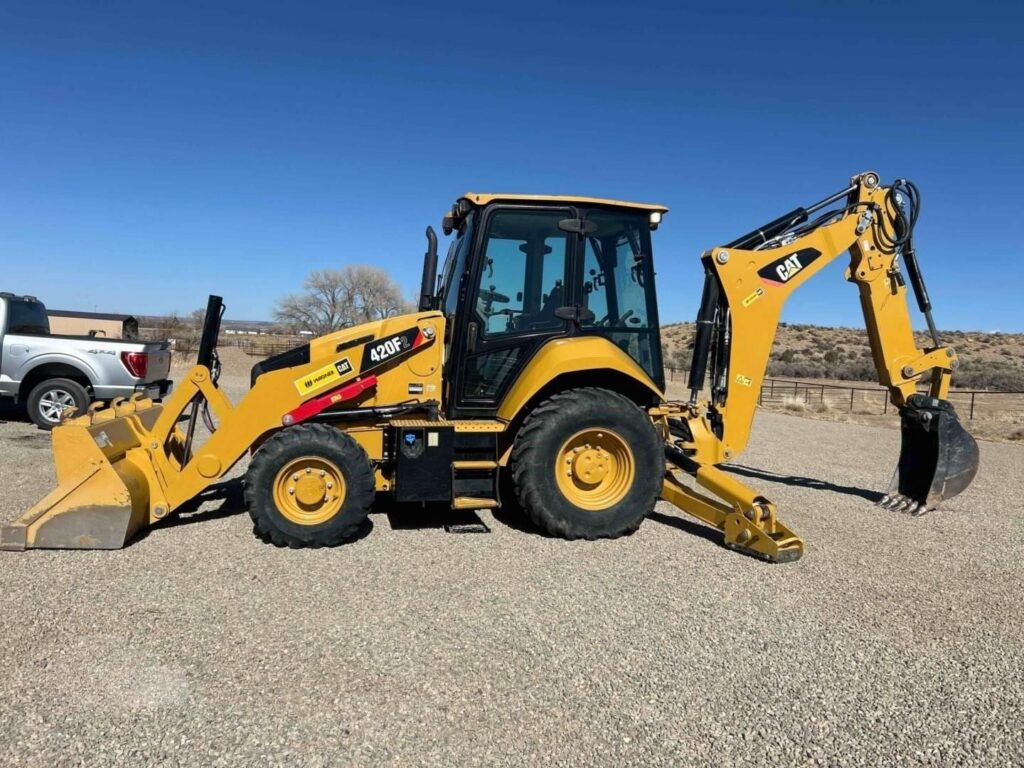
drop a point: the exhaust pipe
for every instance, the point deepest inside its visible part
(938, 457)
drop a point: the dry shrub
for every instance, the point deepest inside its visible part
(795, 404)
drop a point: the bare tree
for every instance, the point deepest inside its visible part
(190, 330)
(338, 298)
(165, 326)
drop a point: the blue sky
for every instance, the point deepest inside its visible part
(154, 152)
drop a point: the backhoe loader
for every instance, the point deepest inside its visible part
(534, 358)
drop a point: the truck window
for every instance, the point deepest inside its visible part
(27, 317)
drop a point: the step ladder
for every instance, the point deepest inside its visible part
(475, 484)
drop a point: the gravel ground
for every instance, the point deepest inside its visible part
(893, 641)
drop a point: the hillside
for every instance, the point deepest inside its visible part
(988, 360)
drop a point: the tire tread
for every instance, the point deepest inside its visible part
(360, 485)
(525, 455)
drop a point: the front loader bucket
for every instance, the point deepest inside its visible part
(938, 457)
(102, 495)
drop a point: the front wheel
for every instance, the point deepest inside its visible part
(587, 463)
(309, 486)
(51, 399)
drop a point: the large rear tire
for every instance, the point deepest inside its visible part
(587, 464)
(309, 486)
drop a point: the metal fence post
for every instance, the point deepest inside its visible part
(971, 417)
(822, 394)
(852, 391)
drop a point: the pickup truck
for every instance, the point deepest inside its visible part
(53, 374)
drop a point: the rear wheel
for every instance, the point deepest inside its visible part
(309, 486)
(587, 463)
(48, 401)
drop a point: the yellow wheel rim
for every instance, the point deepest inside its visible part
(309, 490)
(595, 469)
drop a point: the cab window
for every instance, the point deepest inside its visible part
(522, 277)
(618, 286)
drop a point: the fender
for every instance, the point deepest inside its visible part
(576, 354)
(55, 358)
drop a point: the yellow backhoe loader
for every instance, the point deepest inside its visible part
(535, 357)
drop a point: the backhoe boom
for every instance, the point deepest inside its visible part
(747, 284)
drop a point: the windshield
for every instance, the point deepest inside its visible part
(27, 317)
(455, 266)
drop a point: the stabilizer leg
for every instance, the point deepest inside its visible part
(749, 522)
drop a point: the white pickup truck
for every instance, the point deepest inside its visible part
(52, 374)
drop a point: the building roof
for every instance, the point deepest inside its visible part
(89, 315)
(483, 198)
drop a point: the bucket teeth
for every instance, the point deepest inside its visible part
(897, 502)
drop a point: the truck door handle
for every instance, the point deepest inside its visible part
(471, 334)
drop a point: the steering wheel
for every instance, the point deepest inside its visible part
(491, 296)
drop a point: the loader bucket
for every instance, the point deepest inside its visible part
(938, 457)
(102, 494)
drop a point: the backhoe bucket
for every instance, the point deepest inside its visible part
(102, 496)
(938, 457)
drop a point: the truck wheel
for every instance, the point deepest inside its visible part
(48, 399)
(309, 486)
(587, 464)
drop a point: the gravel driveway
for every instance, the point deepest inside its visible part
(894, 640)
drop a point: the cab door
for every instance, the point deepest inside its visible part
(618, 292)
(520, 277)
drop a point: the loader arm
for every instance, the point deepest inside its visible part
(126, 467)
(747, 285)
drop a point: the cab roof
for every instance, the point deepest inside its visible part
(483, 198)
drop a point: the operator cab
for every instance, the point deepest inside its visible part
(524, 270)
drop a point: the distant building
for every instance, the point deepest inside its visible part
(68, 323)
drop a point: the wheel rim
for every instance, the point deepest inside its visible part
(595, 469)
(53, 402)
(309, 490)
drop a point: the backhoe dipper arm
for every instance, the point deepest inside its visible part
(746, 285)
